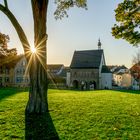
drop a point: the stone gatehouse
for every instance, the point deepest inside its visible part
(88, 70)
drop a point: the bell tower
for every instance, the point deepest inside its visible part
(99, 44)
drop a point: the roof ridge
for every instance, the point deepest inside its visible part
(88, 50)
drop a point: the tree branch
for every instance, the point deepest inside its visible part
(18, 28)
(6, 4)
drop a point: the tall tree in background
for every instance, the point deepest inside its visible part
(135, 72)
(37, 61)
(4, 39)
(136, 58)
(6, 54)
(135, 69)
(128, 22)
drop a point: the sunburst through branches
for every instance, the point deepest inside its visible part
(38, 52)
(33, 50)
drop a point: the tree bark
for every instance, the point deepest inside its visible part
(37, 102)
(38, 72)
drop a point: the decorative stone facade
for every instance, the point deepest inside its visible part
(12, 73)
(85, 77)
(6, 76)
(21, 76)
(89, 71)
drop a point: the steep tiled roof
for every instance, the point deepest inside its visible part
(86, 59)
(117, 69)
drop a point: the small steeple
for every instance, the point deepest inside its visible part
(99, 44)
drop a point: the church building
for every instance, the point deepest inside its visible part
(88, 70)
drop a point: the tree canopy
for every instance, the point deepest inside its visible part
(6, 55)
(64, 5)
(4, 50)
(4, 39)
(128, 22)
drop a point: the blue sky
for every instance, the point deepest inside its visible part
(80, 31)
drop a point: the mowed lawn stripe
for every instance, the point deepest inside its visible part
(96, 114)
(78, 115)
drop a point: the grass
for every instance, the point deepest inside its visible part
(76, 115)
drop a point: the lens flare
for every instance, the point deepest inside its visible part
(33, 49)
(38, 53)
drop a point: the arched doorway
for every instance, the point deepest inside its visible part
(75, 84)
(92, 85)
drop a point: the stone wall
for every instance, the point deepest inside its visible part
(88, 76)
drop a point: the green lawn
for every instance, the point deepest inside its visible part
(76, 115)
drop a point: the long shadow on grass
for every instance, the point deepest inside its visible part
(129, 91)
(40, 127)
(6, 92)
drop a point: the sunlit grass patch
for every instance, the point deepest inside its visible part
(81, 115)
(12, 107)
(96, 114)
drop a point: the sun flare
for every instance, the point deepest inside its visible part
(33, 49)
(36, 53)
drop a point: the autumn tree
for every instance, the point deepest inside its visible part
(128, 22)
(3, 45)
(135, 72)
(135, 69)
(6, 54)
(37, 102)
(4, 39)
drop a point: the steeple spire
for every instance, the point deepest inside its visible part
(99, 44)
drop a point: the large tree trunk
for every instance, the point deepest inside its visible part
(38, 72)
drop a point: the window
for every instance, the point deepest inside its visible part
(23, 71)
(19, 79)
(7, 79)
(18, 71)
(23, 63)
(6, 71)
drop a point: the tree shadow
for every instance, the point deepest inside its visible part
(39, 127)
(6, 92)
(129, 91)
